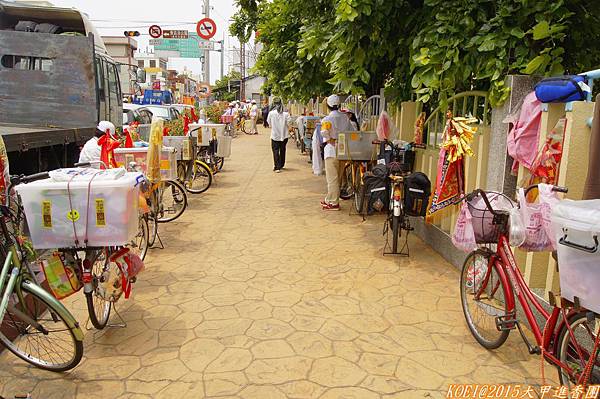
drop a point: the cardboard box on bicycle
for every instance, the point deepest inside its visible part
(168, 160)
(183, 144)
(356, 146)
(206, 132)
(106, 211)
(576, 225)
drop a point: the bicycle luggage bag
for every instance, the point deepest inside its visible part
(376, 189)
(417, 189)
(562, 89)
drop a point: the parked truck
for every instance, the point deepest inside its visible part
(54, 87)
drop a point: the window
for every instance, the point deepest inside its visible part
(112, 79)
(27, 63)
(152, 63)
(100, 77)
(152, 78)
(141, 63)
(145, 116)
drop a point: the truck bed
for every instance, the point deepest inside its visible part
(26, 137)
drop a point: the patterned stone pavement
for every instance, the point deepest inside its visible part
(260, 294)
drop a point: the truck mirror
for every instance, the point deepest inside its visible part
(141, 75)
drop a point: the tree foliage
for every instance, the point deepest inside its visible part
(431, 48)
(221, 87)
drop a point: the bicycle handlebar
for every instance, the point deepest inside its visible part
(558, 189)
(86, 164)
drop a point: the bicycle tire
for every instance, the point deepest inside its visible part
(52, 306)
(470, 271)
(202, 175)
(152, 231)
(98, 307)
(179, 202)
(220, 161)
(395, 232)
(347, 190)
(359, 192)
(583, 338)
(140, 243)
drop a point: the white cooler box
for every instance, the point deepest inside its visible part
(224, 146)
(577, 228)
(113, 211)
(182, 144)
(168, 160)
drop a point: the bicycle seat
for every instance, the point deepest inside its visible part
(396, 178)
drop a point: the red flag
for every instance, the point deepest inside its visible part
(186, 124)
(128, 140)
(107, 148)
(195, 117)
(166, 131)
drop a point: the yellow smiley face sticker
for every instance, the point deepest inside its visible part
(326, 125)
(73, 215)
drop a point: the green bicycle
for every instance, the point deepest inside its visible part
(35, 326)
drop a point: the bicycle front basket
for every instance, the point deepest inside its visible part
(486, 227)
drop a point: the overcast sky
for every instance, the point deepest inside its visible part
(127, 14)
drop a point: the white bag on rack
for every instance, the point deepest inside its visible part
(576, 226)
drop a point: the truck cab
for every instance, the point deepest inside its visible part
(54, 87)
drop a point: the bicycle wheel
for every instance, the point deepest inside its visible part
(98, 306)
(243, 127)
(172, 202)
(359, 192)
(220, 161)
(53, 345)
(200, 178)
(346, 187)
(585, 332)
(140, 243)
(481, 313)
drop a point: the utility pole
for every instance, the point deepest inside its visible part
(223, 56)
(242, 71)
(207, 52)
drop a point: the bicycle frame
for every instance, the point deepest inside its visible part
(510, 276)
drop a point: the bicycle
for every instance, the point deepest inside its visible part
(195, 175)
(490, 280)
(32, 319)
(240, 123)
(352, 183)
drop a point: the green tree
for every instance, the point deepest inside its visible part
(431, 48)
(221, 88)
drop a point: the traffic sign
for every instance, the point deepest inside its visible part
(206, 45)
(156, 42)
(175, 34)
(155, 31)
(206, 28)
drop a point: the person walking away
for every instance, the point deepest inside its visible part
(331, 125)
(265, 113)
(278, 120)
(91, 149)
(254, 116)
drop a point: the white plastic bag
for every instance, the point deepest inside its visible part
(517, 233)
(463, 237)
(536, 219)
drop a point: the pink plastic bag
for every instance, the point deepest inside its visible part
(463, 237)
(384, 126)
(536, 218)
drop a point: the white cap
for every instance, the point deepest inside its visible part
(333, 100)
(103, 126)
(253, 101)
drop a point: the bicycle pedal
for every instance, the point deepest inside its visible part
(504, 323)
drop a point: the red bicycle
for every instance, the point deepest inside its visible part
(490, 280)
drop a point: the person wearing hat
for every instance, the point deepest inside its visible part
(253, 116)
(91, 150)
(331, 125)
(279, 120)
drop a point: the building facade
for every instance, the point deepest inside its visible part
(155, 67)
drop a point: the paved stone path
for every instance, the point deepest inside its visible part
(260, 294)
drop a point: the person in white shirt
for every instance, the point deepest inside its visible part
(253, 116)
(278, 119)
(91, 150)
(331, 125)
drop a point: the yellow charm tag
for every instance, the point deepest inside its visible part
(100, 216)
(47, 214)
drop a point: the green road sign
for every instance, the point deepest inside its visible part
(187, 48)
